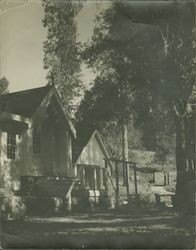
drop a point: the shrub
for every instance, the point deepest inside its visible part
(12, 206)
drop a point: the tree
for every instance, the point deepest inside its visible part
(3, 85)
(147, 71)
(114, 97)
(61, 57)
(176, 24)
(121, 58)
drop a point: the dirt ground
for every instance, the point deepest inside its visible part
(133, 229)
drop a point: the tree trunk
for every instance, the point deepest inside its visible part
(125, 149)
(184, 197)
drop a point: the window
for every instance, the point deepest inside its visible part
(11, 146)
(36, 142)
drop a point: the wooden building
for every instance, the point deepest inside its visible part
(89, 154)
(36, 137)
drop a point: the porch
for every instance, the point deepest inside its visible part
(44, 195)
(92, 190)
(92, 177)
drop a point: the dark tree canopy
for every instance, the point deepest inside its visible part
(146, 73)
(126, 87)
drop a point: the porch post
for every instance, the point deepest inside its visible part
(69, 203)
(95, 178)
(68, 196)
(165, 179)
(153, 177)
(101, 178)
(127, 182)
(106, 174)
(117, 184)
(168, 181)
(83, 176)
(135, 178)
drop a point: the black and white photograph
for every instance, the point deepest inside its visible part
(97, 124)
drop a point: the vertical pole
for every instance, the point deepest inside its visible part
(127, 183)
(117, 184)
(165, 183)
(83, 177)
(106, 174)
(153, 177)
(135, 178)
(101, 178)
(125, 150)
(95, 179)
(69, 203)
(168, 178)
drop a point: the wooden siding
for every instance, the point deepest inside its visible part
(92, 154)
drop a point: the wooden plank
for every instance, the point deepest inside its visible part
(68, 196)
(131, 163)
(9, 116)
(88, 165)
(70, 189)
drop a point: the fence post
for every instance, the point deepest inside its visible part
(135, 178)
(117, 183)
(168, 181)
(127, 182)
(165, 179)
(106, 174)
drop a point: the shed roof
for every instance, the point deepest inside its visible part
(25, 102)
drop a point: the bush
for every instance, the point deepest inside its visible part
(146, 196)
(12, 206)
(147, 200)
(105, 202)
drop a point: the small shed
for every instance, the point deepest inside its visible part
(89, 154)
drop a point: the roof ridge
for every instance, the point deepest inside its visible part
(14, 102)
(27, 90)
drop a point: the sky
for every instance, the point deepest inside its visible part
(21, 39)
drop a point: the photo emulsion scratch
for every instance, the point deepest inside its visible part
(97, 124)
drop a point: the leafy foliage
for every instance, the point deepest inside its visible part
(61, 57)
(3, 85)
(11, 206)
(125, 89)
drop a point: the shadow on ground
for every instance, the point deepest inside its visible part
(149, 229)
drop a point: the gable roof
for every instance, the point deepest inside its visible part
(24, 102)
(27, 103)
(82, 139)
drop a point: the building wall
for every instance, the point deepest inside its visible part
(27, 163)
(92, 154)
(10, 169)
(31, 164)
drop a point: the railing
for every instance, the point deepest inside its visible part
(46, 186)
(127, 165)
